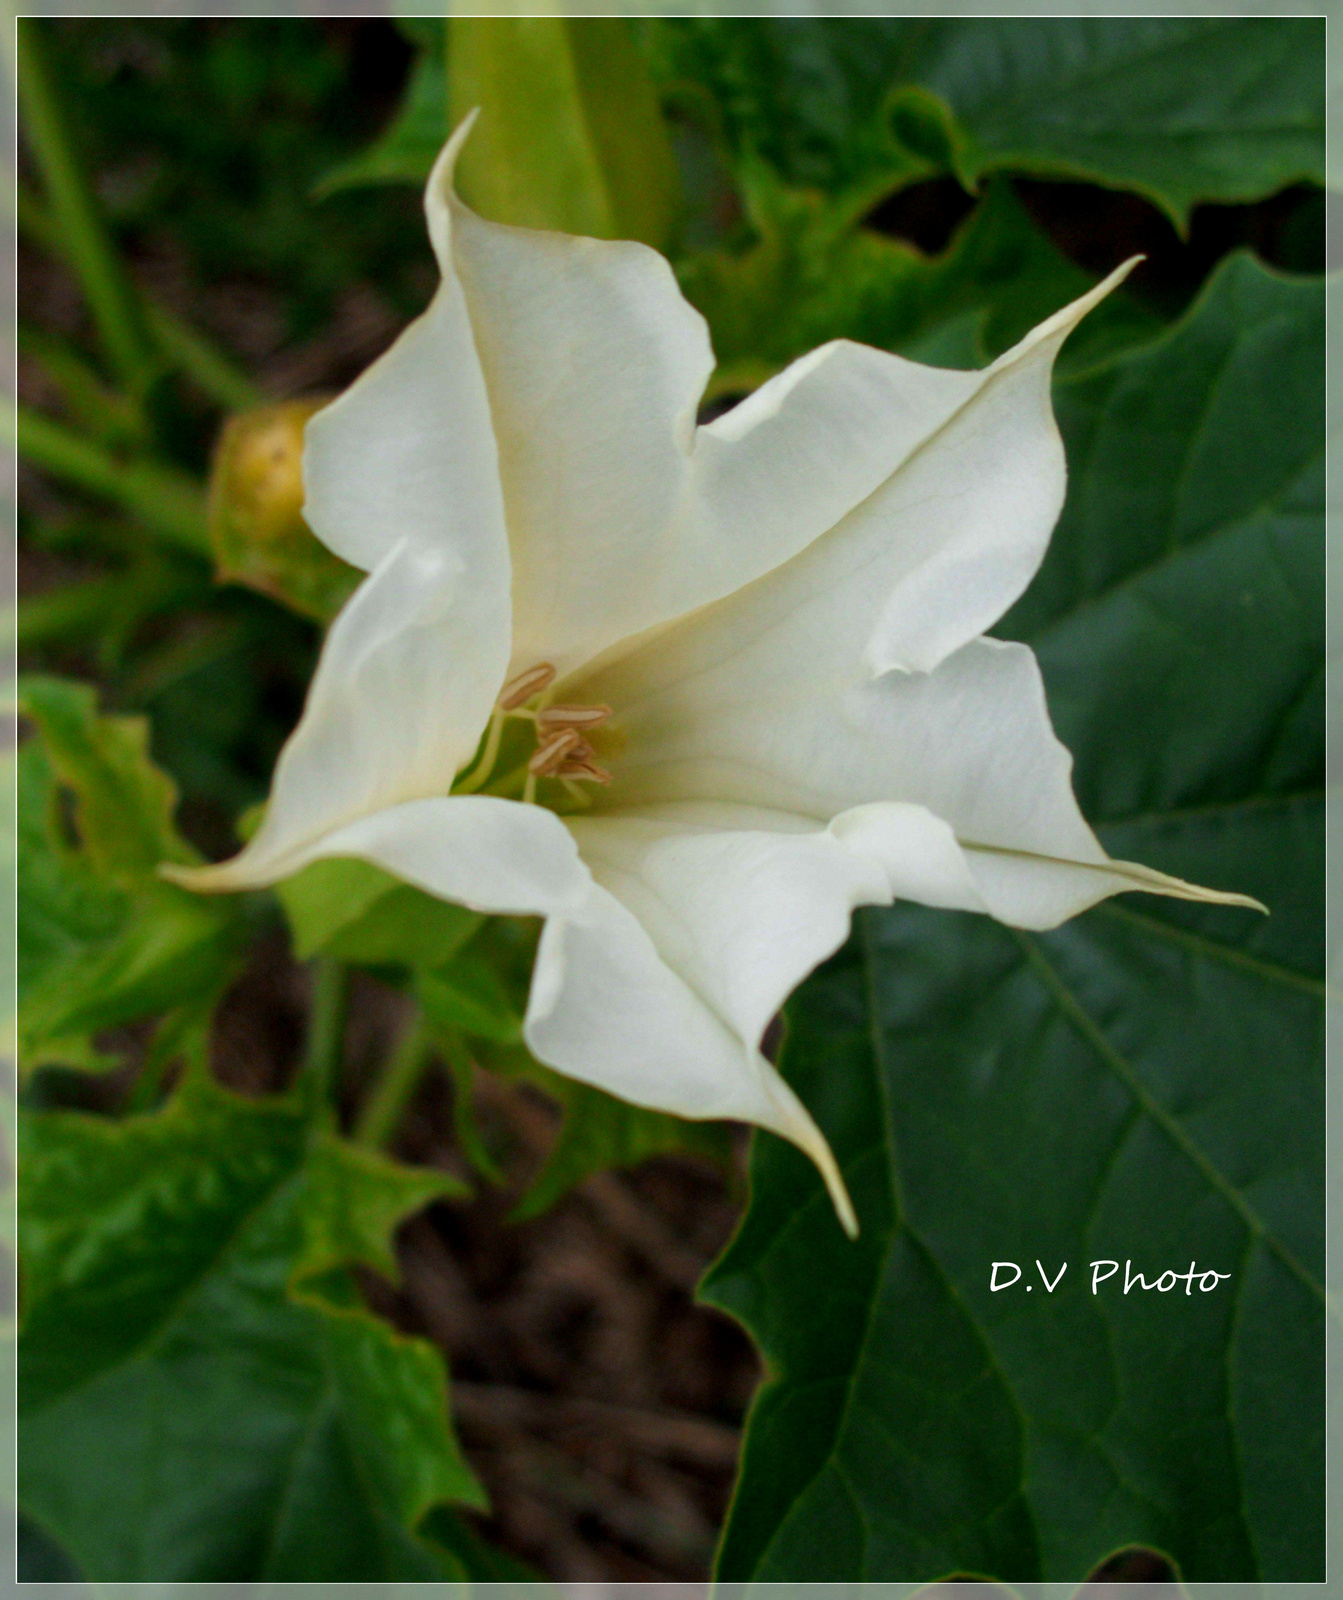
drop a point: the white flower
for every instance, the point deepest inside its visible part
(783, 609)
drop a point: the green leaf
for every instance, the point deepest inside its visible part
(257, 533)
(1179, 108)
(812, 275)
(471, 996)
(406, 150)
(203, 1395)
(600, 1132)
(570, 134)
(103, 940)
(1143, 1085)
(356, 912)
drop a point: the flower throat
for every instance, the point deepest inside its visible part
(562, 751)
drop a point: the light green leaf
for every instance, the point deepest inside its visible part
(469, 994)
(355, 912)
(1142, 1086)
(103, 940)
(570, 134)
(203, 1395)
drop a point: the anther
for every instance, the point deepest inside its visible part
(582, 768)
(582, 717)
(552, 752)
(518, 691)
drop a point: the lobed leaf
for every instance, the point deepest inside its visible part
(102, 939)
(203, 1395)
(1180, 109)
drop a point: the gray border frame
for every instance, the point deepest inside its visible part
(1333, 836)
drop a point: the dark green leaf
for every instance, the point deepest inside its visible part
(812, 276)
(103, 940)
(1142, 1086)
(1180, 108)
(203, 1395)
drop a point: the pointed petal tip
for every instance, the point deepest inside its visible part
(1226, 897)
(815, 1145)
(1056, 329)
(796, 1125)
(201, 880)
(438, 191)
(1155, 882)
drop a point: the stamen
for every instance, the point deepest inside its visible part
(551, 753)
(517, 691)
(584, 717)
(589, 771)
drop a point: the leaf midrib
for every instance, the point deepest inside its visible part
(1083, 1022)
(158, 1330)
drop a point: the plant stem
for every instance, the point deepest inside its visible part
(103, 412)
(111, 297)
(462, 1066)
(71, 612)
(383, 1110)
(214, 373)
(326, 1033)
(169, 501)
(485, 766)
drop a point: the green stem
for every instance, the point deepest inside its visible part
(109, 292)
(183, 1033)
(214, 373)
(385, 1106)
(461, 1064)
(208, 368)
(169, 501)
(326, 1033)
(101, 607)
(69, 613)
(105, 413)
(485, 766)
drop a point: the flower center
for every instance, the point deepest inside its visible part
(562, 754)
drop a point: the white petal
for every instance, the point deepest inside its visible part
(606, 1009)
(408, 450)
(741, 914)
(404, 686)
(621, 514)
(764, 701)
(492, 855)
